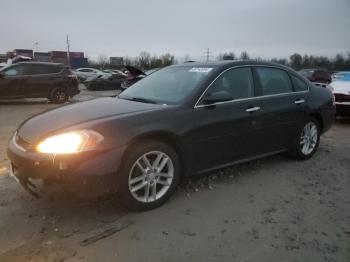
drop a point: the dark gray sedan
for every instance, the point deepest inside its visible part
(179, 121)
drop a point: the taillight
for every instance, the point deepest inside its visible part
(72, 77)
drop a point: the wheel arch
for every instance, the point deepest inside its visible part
(319, 118)
(166, 137)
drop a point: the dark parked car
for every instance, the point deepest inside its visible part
(181, 120)
(134, 75)
(33, 79)
(319, 75)
(103, 82)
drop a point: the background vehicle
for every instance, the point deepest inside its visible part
(317, 75)
(114, 72)
(85, 73)
(112, 82)
(134, 75)
(142, 141)
(341, 90)
(33, 79)
(343, 75)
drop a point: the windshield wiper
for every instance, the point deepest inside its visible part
(139, 99)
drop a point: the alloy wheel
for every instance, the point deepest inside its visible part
(61, 96)
(308, 139)
(151, 176)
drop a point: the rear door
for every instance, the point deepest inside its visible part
(283, 109)
(40, 79)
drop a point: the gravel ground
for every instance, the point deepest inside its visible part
(273, 209)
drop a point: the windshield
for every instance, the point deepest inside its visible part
(168, 86)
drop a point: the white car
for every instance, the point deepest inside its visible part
(341, 91)
(85, 73)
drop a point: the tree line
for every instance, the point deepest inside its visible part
(144, 61)
(297, 61)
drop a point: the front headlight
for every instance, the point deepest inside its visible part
(70, 142)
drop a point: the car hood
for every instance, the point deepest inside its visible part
(341, 87)
(64, 117)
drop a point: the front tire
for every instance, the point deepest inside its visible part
(307, 141)
(149, 175)
(59, 95)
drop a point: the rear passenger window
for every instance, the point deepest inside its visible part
(299, 85)
(273, 81)
(43, 69)
(238, 82)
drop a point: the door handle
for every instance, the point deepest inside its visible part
(253, 109)
(299, 101)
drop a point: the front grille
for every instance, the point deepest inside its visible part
(342, 98)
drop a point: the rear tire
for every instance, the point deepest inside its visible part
(307, 141)
(59, 95)
(149, 175)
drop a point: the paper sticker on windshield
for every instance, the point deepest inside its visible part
(200, 69)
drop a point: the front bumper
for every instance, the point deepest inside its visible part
(92, 166)
(343, 108)
(342, 101)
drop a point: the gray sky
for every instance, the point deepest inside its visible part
(265, 28)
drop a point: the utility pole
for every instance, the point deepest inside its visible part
(37, 46)
(207, 54)
(68, 51)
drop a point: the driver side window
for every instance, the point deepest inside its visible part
(237, 81)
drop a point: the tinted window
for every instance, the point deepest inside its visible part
(299, 85)
(15, 70)
(273, 81)
(86, 70)
(238, 82)
(43, 69)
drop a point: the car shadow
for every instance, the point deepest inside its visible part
(64, 213)
(343, 120)
(24, 101)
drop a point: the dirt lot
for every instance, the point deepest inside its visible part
(274, 209)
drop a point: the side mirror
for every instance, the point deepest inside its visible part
(219, 96)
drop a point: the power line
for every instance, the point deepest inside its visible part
(37, 46)
(207, 54)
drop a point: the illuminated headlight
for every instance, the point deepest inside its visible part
(70, 142)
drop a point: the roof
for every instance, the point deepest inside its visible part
(231, 63)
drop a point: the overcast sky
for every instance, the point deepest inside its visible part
(265, 28)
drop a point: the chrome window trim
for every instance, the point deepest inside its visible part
(247, 98)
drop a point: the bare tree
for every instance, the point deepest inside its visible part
(186, 58)
(144, 59)
(226, 56)
(167, 59)
(244, 56)
(296, 61)
(102, 61)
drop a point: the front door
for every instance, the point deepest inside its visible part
(11, 81)
(226, 131)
